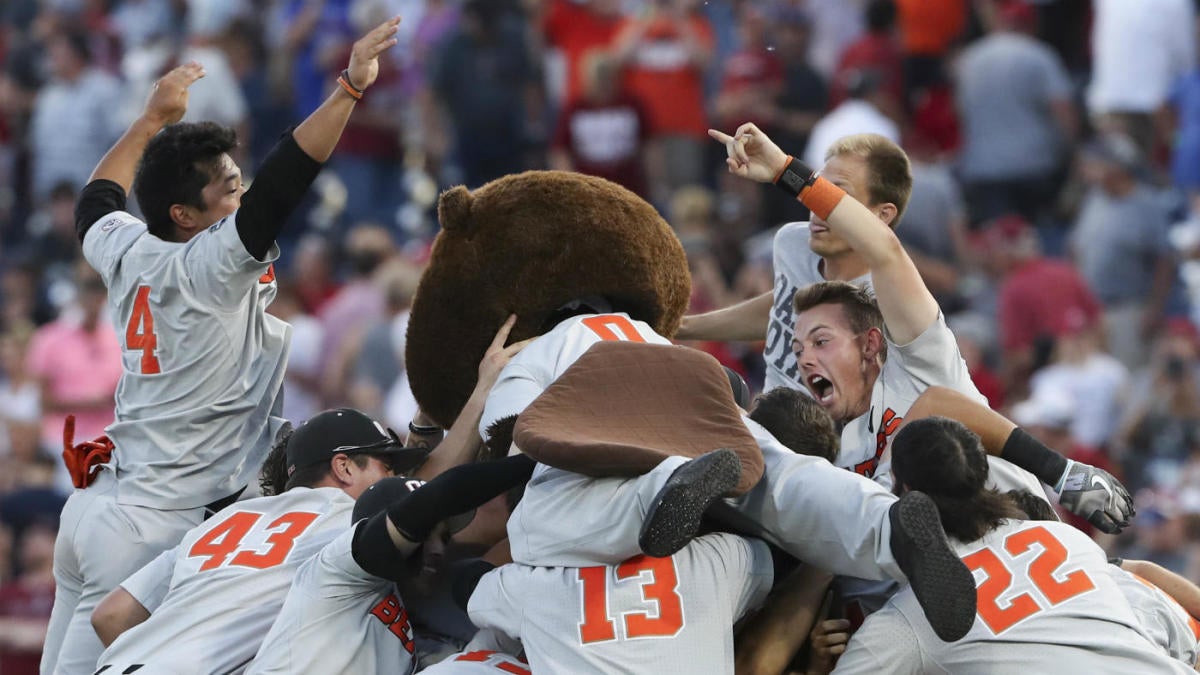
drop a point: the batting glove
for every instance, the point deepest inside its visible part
(1094, 494)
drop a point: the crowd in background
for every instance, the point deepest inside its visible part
(1055, 210)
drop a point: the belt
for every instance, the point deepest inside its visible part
(212, 507)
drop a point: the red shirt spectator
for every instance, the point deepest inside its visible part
(604, 139)
(877, 50)
(752, 77)
(577, 28)
(1043, 297)
(665, 55)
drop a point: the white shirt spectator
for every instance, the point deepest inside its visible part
(1138, 49)
(853, 116)
(72, 127)
(1096, 387)
(216, 97)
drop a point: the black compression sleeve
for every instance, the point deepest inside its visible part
(98, 199)
(1032, 455)
(374, 551)
(456, 491)
(278, 187)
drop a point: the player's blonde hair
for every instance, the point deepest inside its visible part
(890, 174)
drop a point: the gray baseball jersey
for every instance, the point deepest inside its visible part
(1047, 602)
(796, 266)
(488, 653)
(1162, 618)
(645, 615)
(338, 619)
(225, 583)
(198, 404)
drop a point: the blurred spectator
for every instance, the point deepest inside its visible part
(1095, 382)
(878, 50)
(1138, 51)
(577, 27)
(1120, 244)
(665, 53)
(20, 407)
(860, 113)
(1038, 297)
(21, 299)
(25, 603)
(927, 30)
(934, 226)
(266, 111)
(312, 273)
(73, 123)
(487, 86)
(77, 362)
(379, 380)
(1183, 114)
(1018, 118)
(302, 381)
(139, 22)
(604, 132)
(1160, 533)
(52, 241)
(751, 77)
(1160, 427)
(357, 304)
(316, 35)
(835, 25)
(972, 332)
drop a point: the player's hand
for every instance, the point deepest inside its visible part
(169, 98)
(751, 153)
(497, 355)
(829, 640)
(364, 57)
(1094, 494)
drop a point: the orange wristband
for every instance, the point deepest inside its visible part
(344, 80)
(821, 197)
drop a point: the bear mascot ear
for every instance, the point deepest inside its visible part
(454, 210)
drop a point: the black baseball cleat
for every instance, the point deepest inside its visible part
(674, 517)
(943, 585)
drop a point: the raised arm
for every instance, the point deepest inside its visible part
(907, 306)
(766, 644)
(1180, 589)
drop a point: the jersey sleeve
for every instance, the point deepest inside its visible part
(495, 604)
(514, 390)
(108, 239)
(884, 644)
(150, 584)
(932, 358)
(336, 574)
(220, 267)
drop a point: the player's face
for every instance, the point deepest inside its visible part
(223, 194)
(833, 365)
(362, 478)
(849, 172)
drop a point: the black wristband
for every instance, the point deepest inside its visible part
(346, 76)
(1032, 455)
(795, 177)
(422, 430)
(1116, 561)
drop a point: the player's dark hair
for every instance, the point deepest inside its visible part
(176, 166)
(1035, 507)
(798, 421)
(272, 478)
(858, 304)
(946, 461)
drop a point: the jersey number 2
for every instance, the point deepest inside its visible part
(220, 542)
(139, 334)
(660, 588)
(1041, 572)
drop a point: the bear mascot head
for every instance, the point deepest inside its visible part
(535, 244)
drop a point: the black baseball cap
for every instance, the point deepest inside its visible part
(349, 431)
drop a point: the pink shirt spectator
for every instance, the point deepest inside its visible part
(1043, 297)
(77, 366)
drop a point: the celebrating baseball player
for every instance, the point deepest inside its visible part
(197, 408)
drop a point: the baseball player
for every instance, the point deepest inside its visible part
(488, 653)
(197, 407)
(1046, 593)
(346, 594)
(204, 606)
(646, 614)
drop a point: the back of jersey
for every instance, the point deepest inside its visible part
(1164, 620)
(228, 580)
(1046, 599)
(199, 400)
(654, 615)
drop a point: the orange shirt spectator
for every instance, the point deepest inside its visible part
(927, 27)
(665, 55)
(577, 28)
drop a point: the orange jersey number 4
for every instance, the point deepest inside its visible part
(224, 540)
(139, 334)
(1042, 572)
(659, 582)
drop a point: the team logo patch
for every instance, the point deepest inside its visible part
(110, 224)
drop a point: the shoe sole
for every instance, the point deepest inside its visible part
(674, 517)
(944, 587)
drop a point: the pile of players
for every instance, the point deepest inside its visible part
(879, 464)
